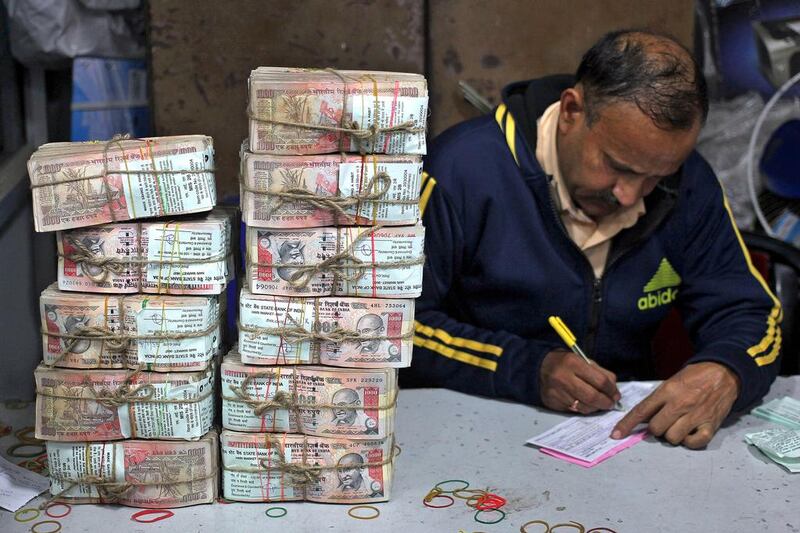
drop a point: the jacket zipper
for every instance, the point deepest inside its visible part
(589, 343)
(596, 283)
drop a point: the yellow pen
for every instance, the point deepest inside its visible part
(572, 343)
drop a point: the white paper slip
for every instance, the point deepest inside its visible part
(784, 411)
(586, 438)
(18, 486)
(780, 445)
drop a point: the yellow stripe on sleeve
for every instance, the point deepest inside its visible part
(424, 180)
(499, 114)
(510, 136)
(771, 356)
(457, 341)
(772, 328)
(456, 355)
(426, 194)
(775, 315)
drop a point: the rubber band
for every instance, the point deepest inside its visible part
(33, 466)
(571, 523)
(471, 492)
(367, 507)
(426, 501)
(601, 529)
(37, 524)
(490, 501)
(276, 509)
(440, 489)
(27, 510)
(503, 513)
(23, 435)
(475, 497)
(224, 501)
(165, 513)
(12, 450)
(57, 504)
(524, 527)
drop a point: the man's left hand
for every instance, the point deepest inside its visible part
(688, 408)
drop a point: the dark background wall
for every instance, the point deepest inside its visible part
(202, 52)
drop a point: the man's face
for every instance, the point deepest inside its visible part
(620, 158)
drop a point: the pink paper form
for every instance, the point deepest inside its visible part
(585, 440)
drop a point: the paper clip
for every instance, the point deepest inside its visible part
(436, 493)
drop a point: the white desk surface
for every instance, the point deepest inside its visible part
(651, 487)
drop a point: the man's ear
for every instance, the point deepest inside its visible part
(572, 110)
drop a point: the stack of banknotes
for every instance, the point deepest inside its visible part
(131, 332)
(334, 253)
(78, 184)
(296, 111)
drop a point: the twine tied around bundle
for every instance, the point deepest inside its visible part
(335, 204)
(343, 265)
(338, 335)
(108, 491)
(302, 474)
(115, 341)
(353, 128)
(82, 255)
(117, 139)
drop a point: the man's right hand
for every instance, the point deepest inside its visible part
(565, 377)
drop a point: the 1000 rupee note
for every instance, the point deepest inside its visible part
(148, 473)
(78, 184)
(302, 111)
(102, 405)
(64, 313)
(355, 261)
(273, 188)
(314, 400)
(378, 332)
(343, 471)
(194, 321)
(190, 256)
(161, 333)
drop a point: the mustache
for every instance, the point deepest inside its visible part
(607, 197)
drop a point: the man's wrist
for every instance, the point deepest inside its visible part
(727, 374)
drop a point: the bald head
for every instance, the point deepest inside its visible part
(648, 69)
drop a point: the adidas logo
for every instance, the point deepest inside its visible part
(662, 287)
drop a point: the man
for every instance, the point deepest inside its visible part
(590, 192)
